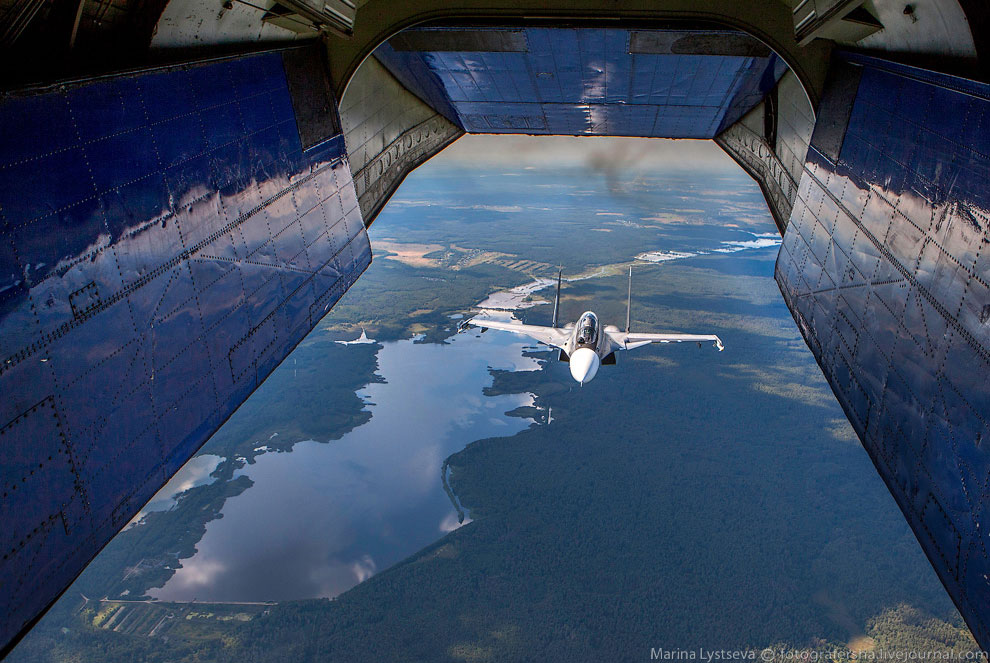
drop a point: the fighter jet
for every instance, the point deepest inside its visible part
(586, 344)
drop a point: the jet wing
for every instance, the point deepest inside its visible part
(547, 335)
(630, 340)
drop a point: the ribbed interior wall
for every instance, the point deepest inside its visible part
(388, 131)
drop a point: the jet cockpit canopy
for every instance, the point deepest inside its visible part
(588, 329)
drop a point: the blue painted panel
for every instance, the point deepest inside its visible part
(585, 82)
(153, 270)
(885, 267)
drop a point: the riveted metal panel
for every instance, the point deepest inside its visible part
(476, 41)
(166, 241)
(885, 266)
(686, 42)
(584, 81)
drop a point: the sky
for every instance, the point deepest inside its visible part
(598, 152)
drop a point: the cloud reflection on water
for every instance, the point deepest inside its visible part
(328, 515)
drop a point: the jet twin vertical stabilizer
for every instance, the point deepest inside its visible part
(629, 300)
(586, 344)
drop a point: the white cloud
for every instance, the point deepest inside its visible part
(364, 568)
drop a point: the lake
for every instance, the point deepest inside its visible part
(326, 516)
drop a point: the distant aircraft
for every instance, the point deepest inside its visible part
(586, 345)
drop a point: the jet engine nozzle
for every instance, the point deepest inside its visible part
(584, 364)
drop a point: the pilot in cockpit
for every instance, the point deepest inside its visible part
(587, 329)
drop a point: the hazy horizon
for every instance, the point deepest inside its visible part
(598, 152)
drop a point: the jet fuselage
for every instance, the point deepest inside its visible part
(587, 347)
(586, 344)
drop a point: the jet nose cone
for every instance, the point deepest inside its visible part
(584, 364)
